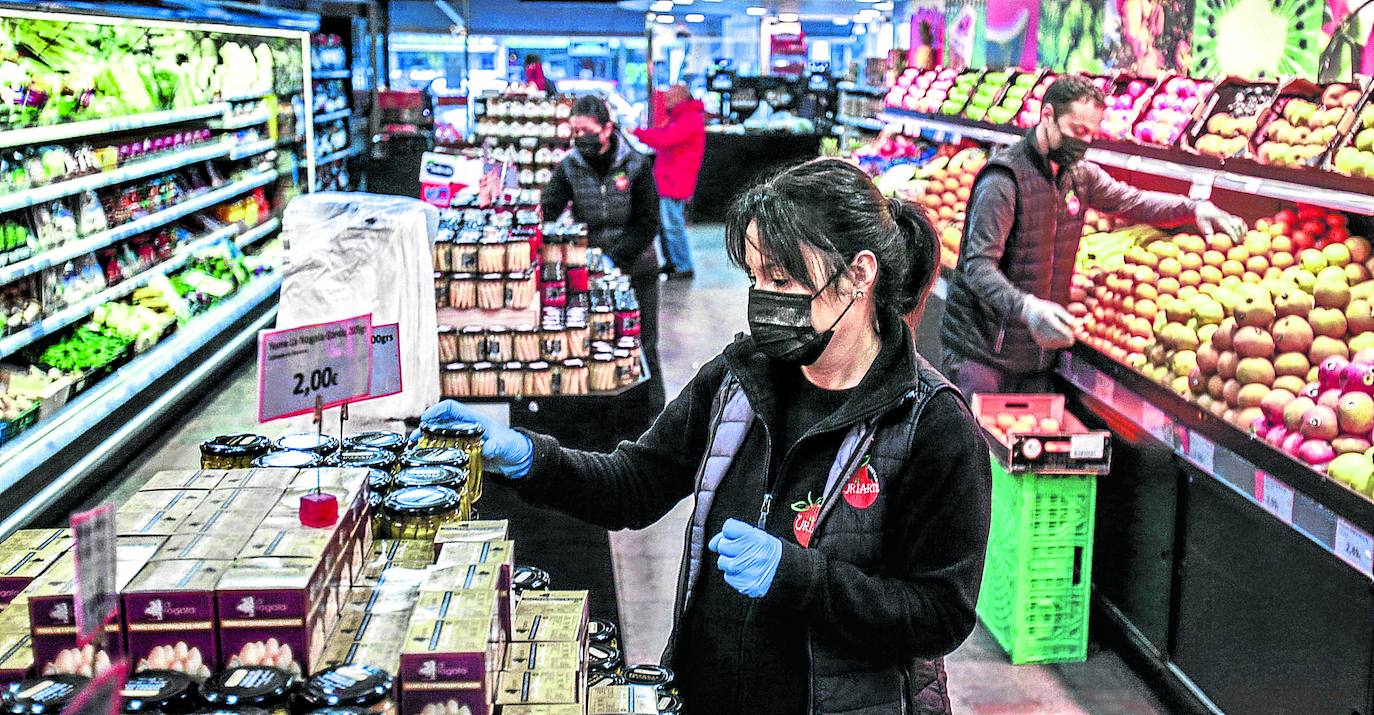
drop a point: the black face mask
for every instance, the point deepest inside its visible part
(781, 325)
(1070, 150)
(589, 145)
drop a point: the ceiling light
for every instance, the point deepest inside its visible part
(870, 1)
(664, 19)
(682, 2)
(788, 17)
(755, 10)
(885, 6)
(661, 6)
(840, 21)
(696, 17)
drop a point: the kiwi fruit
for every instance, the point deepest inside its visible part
(1257, 38)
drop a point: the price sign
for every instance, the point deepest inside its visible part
(1251, 185)
(386, 360)
(1133, 162)
(1104, 387)
(329, 364)
(1354, 547)
(1156, 423)
(1202, 186)
(104, 695)
(1276, 496)
(1202, 452)
(96, 594)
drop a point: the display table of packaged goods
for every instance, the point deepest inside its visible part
(226, 598)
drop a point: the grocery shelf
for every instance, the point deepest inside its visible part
(258, 232)
(243, 151)
(331, 74)
(242, 121)
(68, 251)
(246, 97)
(75, 130)
(855, 88)
(1316, 506)
(84, 414)
(870, 124)
(128, 172)
(75, 313)
(331, 116)
(338, 155)
(947, 130)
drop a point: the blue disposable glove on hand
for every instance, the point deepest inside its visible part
(748, 556)
(504, 451)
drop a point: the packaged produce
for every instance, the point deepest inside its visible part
(259, 686)
(159, 691)
(449, 660)
(603, 679)
(169, 616)
(274, 611)
(233, 451)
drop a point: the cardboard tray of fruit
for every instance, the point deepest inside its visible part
(1224, 123)
(1353, 155)
(1172, 108)
(1034, 433)
(960, 93)
(921, 90)
(1127, 98)
(987, 94)
(1029, 112)
(1304, 123)
(1019, 89)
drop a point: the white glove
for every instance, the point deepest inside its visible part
(1050, 323)
(1211, 219)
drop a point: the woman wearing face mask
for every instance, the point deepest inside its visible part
(840, 485)
(611, 188)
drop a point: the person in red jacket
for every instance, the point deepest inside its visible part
(534, 72)
(680, 143)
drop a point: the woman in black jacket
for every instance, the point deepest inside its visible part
(841, 486)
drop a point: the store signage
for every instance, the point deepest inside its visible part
(386, 361)
(1276, 496)
(105, 693)
(323, 365)
(97, 596)
(1354, 546)
(1200, 451)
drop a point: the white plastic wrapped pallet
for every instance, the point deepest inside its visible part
(353, 253)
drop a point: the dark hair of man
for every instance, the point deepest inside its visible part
(1071, 88)
(594, 107)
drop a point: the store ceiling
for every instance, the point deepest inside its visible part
(807, 9)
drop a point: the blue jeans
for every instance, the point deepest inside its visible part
(673, 228)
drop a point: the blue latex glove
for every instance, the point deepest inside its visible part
(749, 557)
(504, 451)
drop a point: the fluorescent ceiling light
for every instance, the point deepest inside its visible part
(884, 6)
(682, 2)
(696, 17)
(840, 21)
(661, 6)
(755, 10)
(788, 17)
(664, 19)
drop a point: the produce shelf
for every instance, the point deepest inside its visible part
(243, 151)
(75, 313)
(68, 251)
(1183, 167)
(75, 130)
(128, 172)
(331, 116)
(241, 122)
(258, 232)
(1327, 513)
(245, 97)
(83, 414)
(331, 74)
(338, 155)
(870, 124)
(864, 89)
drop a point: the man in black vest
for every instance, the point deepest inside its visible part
(1005, 320)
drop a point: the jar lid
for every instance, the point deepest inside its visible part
(455, 367)
(288, 459)
(527, 330)
(602, 309)
(498, 330)
(627, 343)
(437, 475)
(446, 329)
(669, 704)
(469, 237)
(575, 363)
(347, 684)
(530, 578)
(513, 365)
(517, 276)
(600, 679)
(473, 330)
(360, 457)
(374, 502)
(483, 367)
(157, 690)
(621, 354)
(48, 694)
(492, 276)
(235, 445)
(493, 240)
(248, 685)
(308, 441)
(648, 674)
(600, 630)
(390, 441)
(448, 428)
(603, 657)
(421, 501)
(380, 481)
(463, 276)
(242, 710)
(603, 357)
(537, 366)
(446, 456)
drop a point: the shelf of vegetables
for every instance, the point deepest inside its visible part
(133, 170)
(110, 125)
(258, 232)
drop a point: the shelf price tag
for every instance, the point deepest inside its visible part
(1201, 451)
(1156, 423)
(386, 361)
(1354, 546)
(1276, 496)
(96, 594)
(1202, 186)
(1133, 162)
(328, 364)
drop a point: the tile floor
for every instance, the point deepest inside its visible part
(699, 318)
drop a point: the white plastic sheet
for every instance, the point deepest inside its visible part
(353, 253)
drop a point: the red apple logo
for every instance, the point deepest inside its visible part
(862, 489)
(804, 525)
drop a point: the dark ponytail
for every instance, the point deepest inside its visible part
(836, 208)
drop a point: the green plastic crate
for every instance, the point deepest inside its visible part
(1036, 579)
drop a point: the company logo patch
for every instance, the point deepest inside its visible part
(622, 182)
(1074, 205)
(862, 489)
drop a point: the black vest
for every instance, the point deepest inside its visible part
(605, 203)
(1039, 259)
